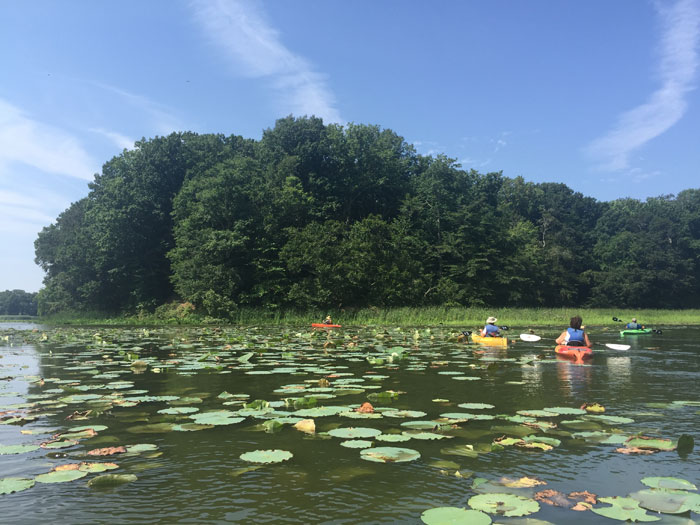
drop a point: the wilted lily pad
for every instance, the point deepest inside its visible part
(454, 516)
(623, 509)
(10, 485)
(266, 456)
(504, 504)
(389, 454)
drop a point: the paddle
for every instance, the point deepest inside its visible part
(621, 321)
(532, 338)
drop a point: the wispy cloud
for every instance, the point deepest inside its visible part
(50, 149)
(121, 141)
(240, 29)
(678, 61)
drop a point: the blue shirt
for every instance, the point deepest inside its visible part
(634, 326)
(490, 330)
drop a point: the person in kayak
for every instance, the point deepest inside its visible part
(490, 330)
(328, 320)
(634, 325)
(575, 335)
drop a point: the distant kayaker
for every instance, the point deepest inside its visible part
(634, 325)
(328, 320)
(490, 330)
(575, 335)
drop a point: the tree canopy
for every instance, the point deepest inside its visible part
(316, 215)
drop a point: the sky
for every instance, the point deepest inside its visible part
(597, 95)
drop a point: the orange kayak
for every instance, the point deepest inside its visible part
(322, 325)
(579, 353)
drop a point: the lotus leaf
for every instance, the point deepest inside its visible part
(354, 432)
(97, 467)
(266, 456)
(178, 410)
(454, 516)
(60, 476)
(668, 501)
(155, 428)
(218, 417)
(185, 427)
(623, 509)
(10, 485)
(647, 443)
(564, 411)
(668, 483)
(16, 449)
(504, 504)
(403, 413)
(111, 480)
(460, 450)
(393, 438)
(389, 454)
(425, 435)
(610, 420)
(141, 447)
(475, 406)
(356, 443)
(59, 444)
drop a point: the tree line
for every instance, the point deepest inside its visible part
(18, 302)
(316, 215)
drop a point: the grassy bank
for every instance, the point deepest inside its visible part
(427, 316)
(18, 318)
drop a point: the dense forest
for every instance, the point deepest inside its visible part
(316, 215)
(18, 302)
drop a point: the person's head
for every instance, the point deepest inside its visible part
(634, 319)
(491, 320)
(575, 322)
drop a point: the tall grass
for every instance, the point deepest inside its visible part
(408, 316)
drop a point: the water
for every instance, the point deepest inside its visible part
(197, 477)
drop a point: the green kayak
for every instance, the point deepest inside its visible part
(638, 331)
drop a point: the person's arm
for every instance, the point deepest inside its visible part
(588, 341)
(561, 338)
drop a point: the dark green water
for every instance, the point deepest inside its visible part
(196, 477)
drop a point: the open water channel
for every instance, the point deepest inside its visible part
(172, 411)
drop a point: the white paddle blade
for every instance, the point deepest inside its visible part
(530, 337)
(617, 347)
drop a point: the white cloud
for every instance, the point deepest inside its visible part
(240, 29)
(666, 106)
(121, 141)
(47, 148)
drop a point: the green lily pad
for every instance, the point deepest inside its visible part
(16, 449)
(609, 420)
(565, 411)
(454, 516)
(403, 413)
(356, 443)
(389, 454)
(60, 476)
(668, 501)
(668, 483)
(354, 432)
(10, 485)
(141, 447)
(651, 444)
(97, 467)
(623, 509)
(111, 480)
(191, 427)
(393, 438)
(475, 406)
(266, 456)
(504, 504)
(217, 417)
(178, 410)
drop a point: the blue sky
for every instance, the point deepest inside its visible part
(598, 95)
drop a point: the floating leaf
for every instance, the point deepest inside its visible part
(504, 504)
(686, 443)
(356, 443)
(667, 501)
(10, 485)
(668, 483)
(16, 449)
(266, 456)
(644, 442)
(393, 438)
(475, 406)
(178, 410)
(60, 476)
(111, 480)
(389, 454)
(623, 509)
(454, 516)
(108, 451)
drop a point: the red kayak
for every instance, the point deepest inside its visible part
(578, 353)
(322, 325)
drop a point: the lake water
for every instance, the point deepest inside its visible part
(193, 473)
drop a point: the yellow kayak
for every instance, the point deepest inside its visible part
(490, 341)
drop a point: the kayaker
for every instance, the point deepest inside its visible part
(328, 320)
(490, 330)
(634, 325)
(575, 335)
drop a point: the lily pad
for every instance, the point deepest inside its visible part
(356, 443)
(504, 504)
(389, 454)
(111, 480)
(454, 516)
(475, 406)
(623, 509)
(354, 432)
(668, 483)
(667, 501)
(16, 449)
(60, 476)
(10, 485)
(266, 456)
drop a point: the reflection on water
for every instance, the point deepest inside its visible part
(194, 474)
